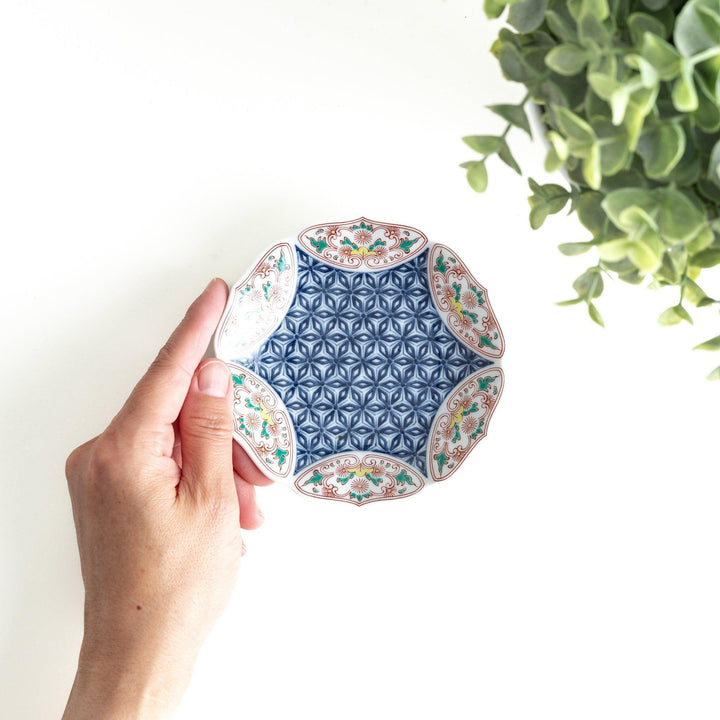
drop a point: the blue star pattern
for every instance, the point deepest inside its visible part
(363, 361)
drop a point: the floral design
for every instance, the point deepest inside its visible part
(364, 361)
(261, 423)
(463, 303)
(257, 303)
(462, 421)
(360, 478)
(362, 244)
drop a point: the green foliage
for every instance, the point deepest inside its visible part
(629, 99)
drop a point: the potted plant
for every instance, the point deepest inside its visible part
(627, 93)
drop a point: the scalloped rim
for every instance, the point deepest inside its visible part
(360, 261)
(236, 289)
(445, 410)
(412, 482)
(252, 449)
(290, 477)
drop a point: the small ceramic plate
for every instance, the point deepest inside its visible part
(365, 361)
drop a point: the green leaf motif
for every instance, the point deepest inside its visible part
(440, 265)
(403, 478)
(674, 315)
(316, 479)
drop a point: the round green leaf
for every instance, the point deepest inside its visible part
(679, 219)
(691, 35)
(527, 15)
(566, 59)
(477, 176)
(661, 55)
(706, 258)
(580, 136)
(707, 114)
(661, 149)
(713, 168)
(613, 141)
(571, 249)
(619, 200)
(639, 23)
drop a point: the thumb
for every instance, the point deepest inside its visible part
(206, 432)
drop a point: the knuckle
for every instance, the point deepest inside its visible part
(207, 426)
(104, 457)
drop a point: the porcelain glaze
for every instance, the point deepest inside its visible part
(365, 361)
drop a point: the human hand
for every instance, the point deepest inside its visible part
(158, 500)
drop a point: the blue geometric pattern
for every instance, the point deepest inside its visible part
(363, 361)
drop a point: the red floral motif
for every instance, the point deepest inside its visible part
(360, 478)
(362, 244)
(262, 425)
(462, 421)
(463, 303)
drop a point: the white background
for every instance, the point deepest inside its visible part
(569, 570)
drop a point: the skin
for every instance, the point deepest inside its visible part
(159, 499)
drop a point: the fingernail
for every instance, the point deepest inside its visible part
(213, 379)
(207, 287)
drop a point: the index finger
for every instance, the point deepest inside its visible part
(158, 397)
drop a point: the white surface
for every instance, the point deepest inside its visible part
(569, 570)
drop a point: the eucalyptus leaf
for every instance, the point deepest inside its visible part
(506, 156)
(484, 144)
(706, 258)
(639, 23)
(654, 4)
(527, 15)
(595, 315)
(662, 56)
(691, 36)
(661, 149)
(629, 98)
(684, 93)
(675, 315)
(493, 8)
(707, 114)
(513, 114)
(567, 59)
(715, 374)
(589, 285)
(713, 168)
(578, 248)
(711, 344)
(477, 175)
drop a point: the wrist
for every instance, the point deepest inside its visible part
(111, 686)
